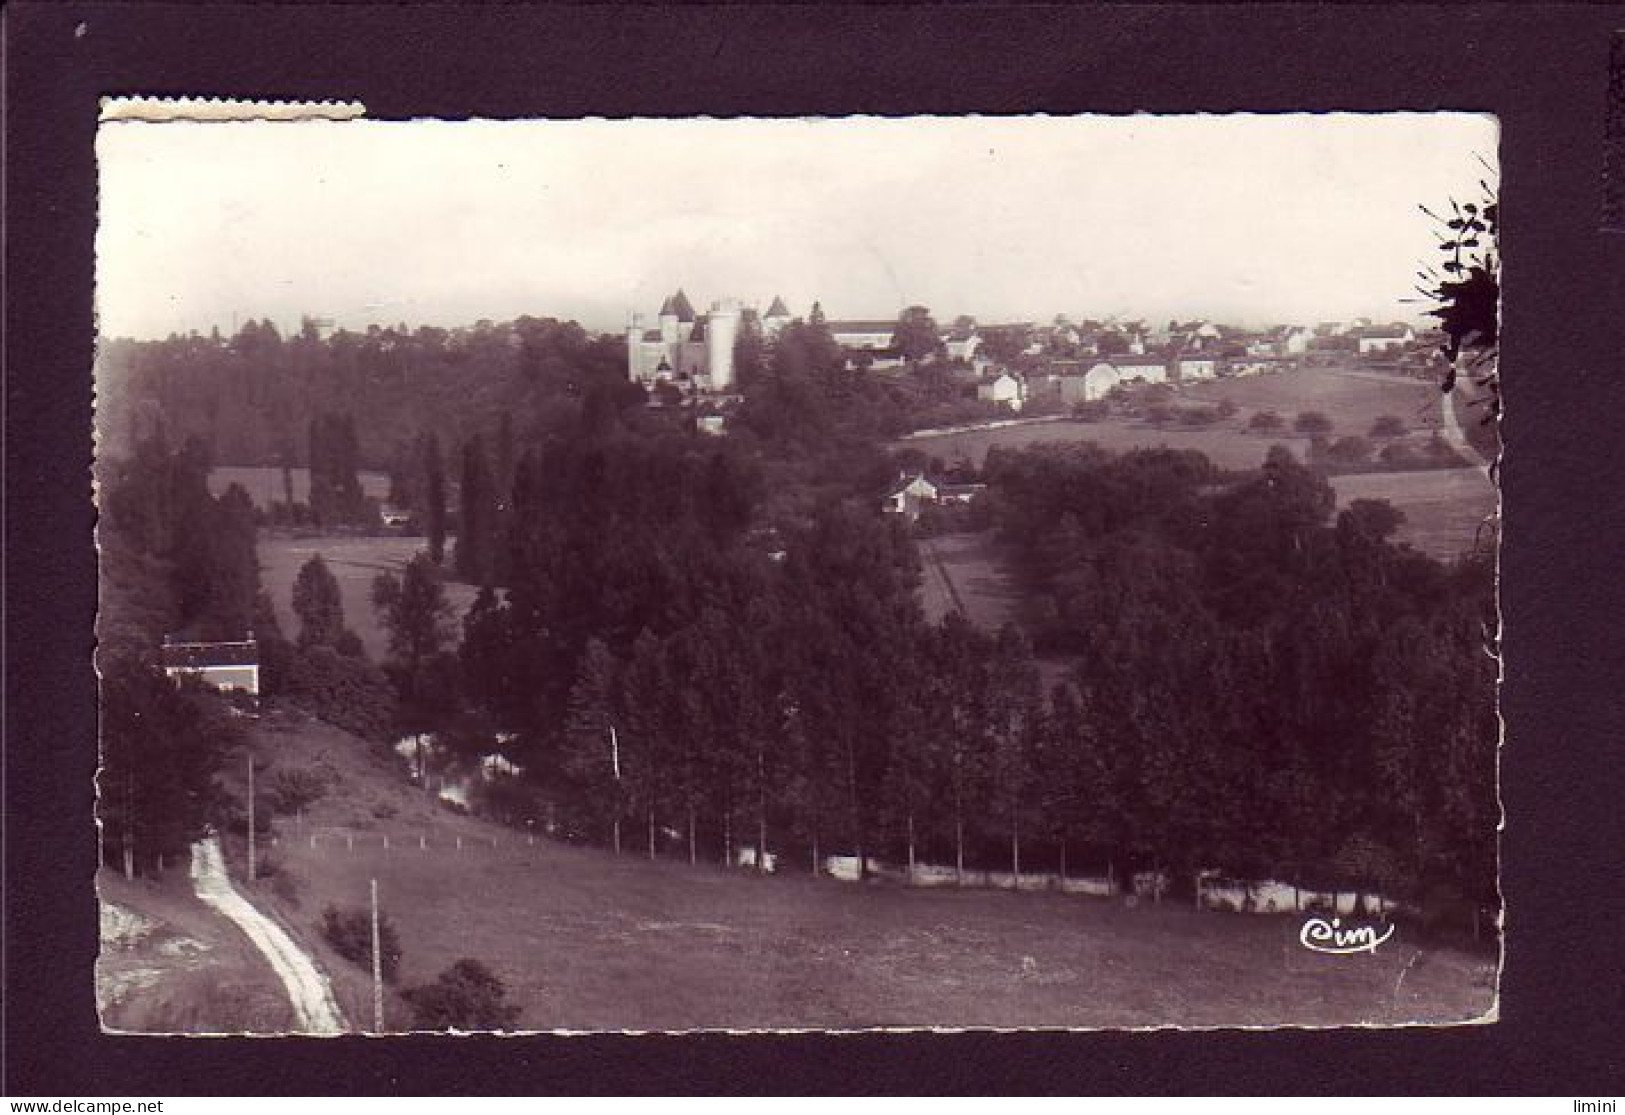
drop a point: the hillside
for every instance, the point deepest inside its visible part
(587, 940)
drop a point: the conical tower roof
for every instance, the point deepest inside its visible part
(777, 309)
(681, 307)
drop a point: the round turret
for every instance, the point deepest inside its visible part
(721, 329)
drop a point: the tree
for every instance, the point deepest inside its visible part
(1312, 423)
(1266, 421)
(1388, 425)
(1466, 292)
(466, 996)
(475, 556)
(161, 748)
(591, 758)
(917, 336)
(434, 497)
(317, 603)
(414, 609)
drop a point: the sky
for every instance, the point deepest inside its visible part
(1242, 219)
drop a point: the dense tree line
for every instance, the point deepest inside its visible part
(255, 396)
(1271, 688)
(175, 561)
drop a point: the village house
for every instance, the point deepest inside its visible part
(863, 335)
(1003, 390)
(1196, 366)
(1260, 365)
(227, 666)
(1384, 338)
(962, 344)
(1146, 369)
(911, 493)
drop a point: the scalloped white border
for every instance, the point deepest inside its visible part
(162, 110)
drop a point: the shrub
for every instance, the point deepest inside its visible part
(1227, 408)
(346, 692)
(1092, 410)
(466, 996)
(296, 788)
(1198, 416)
(1349, 451)
(350, 934)
(1387, 425)
(1313, 423)
(1265, 420)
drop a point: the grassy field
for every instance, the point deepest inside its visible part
(1227, 446)
(169, 964)
(588, 940)
(264, 485)
(1444, 509)
(355, 561)
(1352, 399)
(966, 572)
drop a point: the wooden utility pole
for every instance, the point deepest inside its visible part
(615, 765)
(251, 875)
(377, 967)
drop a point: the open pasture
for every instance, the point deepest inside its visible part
(585, 939)
(355, 562)
(1352, 399)
(1444, 509)
(265, 485)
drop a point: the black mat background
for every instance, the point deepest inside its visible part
(1542, 69)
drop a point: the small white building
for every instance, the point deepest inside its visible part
(227, 666)
(1197, 366)
(1146, 369)
(1004, 390)
(1384, 338)
(909, 495)
(962, 344)
(863, 335)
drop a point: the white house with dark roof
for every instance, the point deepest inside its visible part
(1384, 338)
(1146, 369)
(227, 666)
(1003, 389)
(867, 335)
(1194, 367)
(911, 492)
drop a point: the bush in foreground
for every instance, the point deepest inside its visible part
(350, 934)
(466, 996)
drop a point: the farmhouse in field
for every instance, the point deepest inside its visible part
(909, 495)
(1196, 366)
(1383, 338)
(228, 666)
(1003, 389)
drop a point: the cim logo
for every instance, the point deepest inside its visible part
(1319, 935)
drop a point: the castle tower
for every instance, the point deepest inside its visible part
(776, 318)
(669, 324)
(722, 328)
(634, 341)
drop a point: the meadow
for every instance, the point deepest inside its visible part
(1444, 509)
(266, 486)
(587, 940)
(355, 562)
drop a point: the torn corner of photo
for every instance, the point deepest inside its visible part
(206, 110)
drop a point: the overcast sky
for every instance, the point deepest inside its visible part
(1253, 219)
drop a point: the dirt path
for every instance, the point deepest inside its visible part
(1457, 437)
(312, 999)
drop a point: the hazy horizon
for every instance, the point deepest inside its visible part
(1246, 220)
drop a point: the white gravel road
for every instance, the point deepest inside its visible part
(308, 990)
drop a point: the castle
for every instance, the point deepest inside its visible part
(694, 347)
